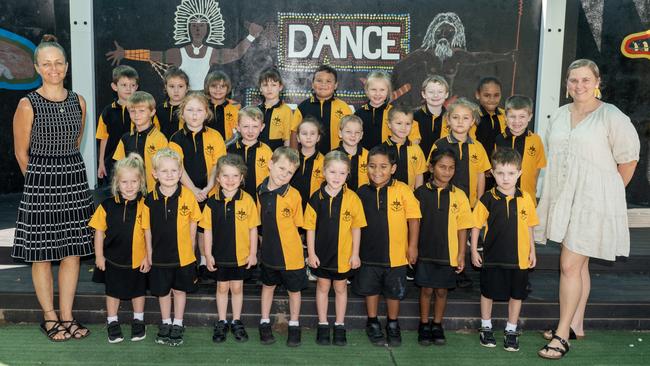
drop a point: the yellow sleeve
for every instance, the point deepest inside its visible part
(254, 217)
(176, 147)
(195, 214)
(206, 219)
(464, 219)
(415, 132)
(309, 223)
(98, 221)
(412, 205)
(102, 130)
(298, 215)
(533, 220)
(119, 153)
(286, 124)
(161, 141)
(421, 166)
(296, 119)
(220, 149)
(156, 122)
(433, 147)
(480, 215)
(541, 155)
(484, 162)
(358, 215)
(146, 220)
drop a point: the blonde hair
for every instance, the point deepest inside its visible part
(49, 40)
(379, 75)
(287, 153)
(251, 112)
(583, 62)
(334, 156)
(132, 161)
(141, 97)
(195, 95)
(465, 103)
(435, 79)
(351, 118)
(166, 153)
(232, 160)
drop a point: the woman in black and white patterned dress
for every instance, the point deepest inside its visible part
(56, 205)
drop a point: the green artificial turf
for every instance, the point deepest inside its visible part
(25, 345)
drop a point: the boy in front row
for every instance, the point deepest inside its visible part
(388, 244)
(508, 249)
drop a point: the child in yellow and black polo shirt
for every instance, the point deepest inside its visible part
(309, 176)
(230, 220)
(351, 133)
(176, 84)
(145, 139)
(170, 218)
(388, 243)
(411, 165)
(492, 121)
(324, 106)
(255, 153)
(333, 220)
(446, 216)
(120, 252)
(519, 112)
(277, 115)
(508, 250)
(431, 118)
(217, 86)
(282, 257)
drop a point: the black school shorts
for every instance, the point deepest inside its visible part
(331, 275)
(503, 284)
(229, 273)
(434, 275)
(164, 279)
(124, 283)
(293, 280)
(377, 280)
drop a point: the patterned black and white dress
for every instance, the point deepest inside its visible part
(56, 204)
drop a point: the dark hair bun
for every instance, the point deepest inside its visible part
(48, 38)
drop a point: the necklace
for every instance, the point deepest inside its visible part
(195, 49)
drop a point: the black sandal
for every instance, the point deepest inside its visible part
(55, 330)
(77, 331)
(549, 333)
(562, 351)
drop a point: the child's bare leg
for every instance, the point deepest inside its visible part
(112, 306)
(393, 309)
(514, 308)
(165, 306)
(179, 304)
(440, 305)
(266, 301)
(236, 298)
(138, 304)
(372, 303)
(199, 243)
(222, 299)
(425, 303)
(486, 308)
(322, 298)
(294, 305)
(341, 299)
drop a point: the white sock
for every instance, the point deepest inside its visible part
(339, 324)
(203, 262)
(138, 316)
(167, 321)
(325, 323)
(294, 323)
(486, 323)
(178, 322)
(265, 321)
(511, 327)
(111, 319)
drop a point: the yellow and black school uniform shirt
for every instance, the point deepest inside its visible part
(333, 219)
(384, 241)
(256, 157)
(168, 119)
(489, 127)
(530, 147)
(409, 159)
(121, 222)
(199, 150)
(358, 167)
(329, 113)
(375, 125)
(309, 176)
(507, 220)
(445, 211)
(277, 124)
(224, 117)
(471, 160)
(230, 220)
(169, 220)
(281, 215)
(114, 121)
(146, 143)
(432, 127)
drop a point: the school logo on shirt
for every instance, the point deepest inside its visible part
(396, 205)
(414, 160)
(347, 216)
(261, 162)
(473, 158)
(229, 116)
(276, 121)
(453, 207)
(286, 212)
(151, 149)
(184, 210)
(210, 150)
(241, 215)
(316, 173)
(138, 219)
(363, 167)
(339, 113)
(532, 151)
(523, 214)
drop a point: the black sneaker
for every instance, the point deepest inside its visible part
(438, 335)
(323, 335)
(424, 334)
(219, 332)
(114, 332)
(463, 281)
(266, 334)
(511, 341)
(339, 336)
(238, 331)
(375, 335)
(393, 334)
(486, 337)
(410, 273)
(163, 333)
(293, 339)
(138, 330)
(176, 335)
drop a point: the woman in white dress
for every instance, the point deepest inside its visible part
(593, 150)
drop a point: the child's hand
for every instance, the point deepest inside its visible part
(461, 264)
(476, 259)
(200, 196)
(313, 261)
(149, 259)
(532, 259)
(251, 261)
(210, 263)
(145, 266)
(101, 170)
(412, 255)
(205, 191)
(355, 262)
(100, 262)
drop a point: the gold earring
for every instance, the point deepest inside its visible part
(567, 94)
(597, 93)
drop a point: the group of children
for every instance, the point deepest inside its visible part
(368, 194)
